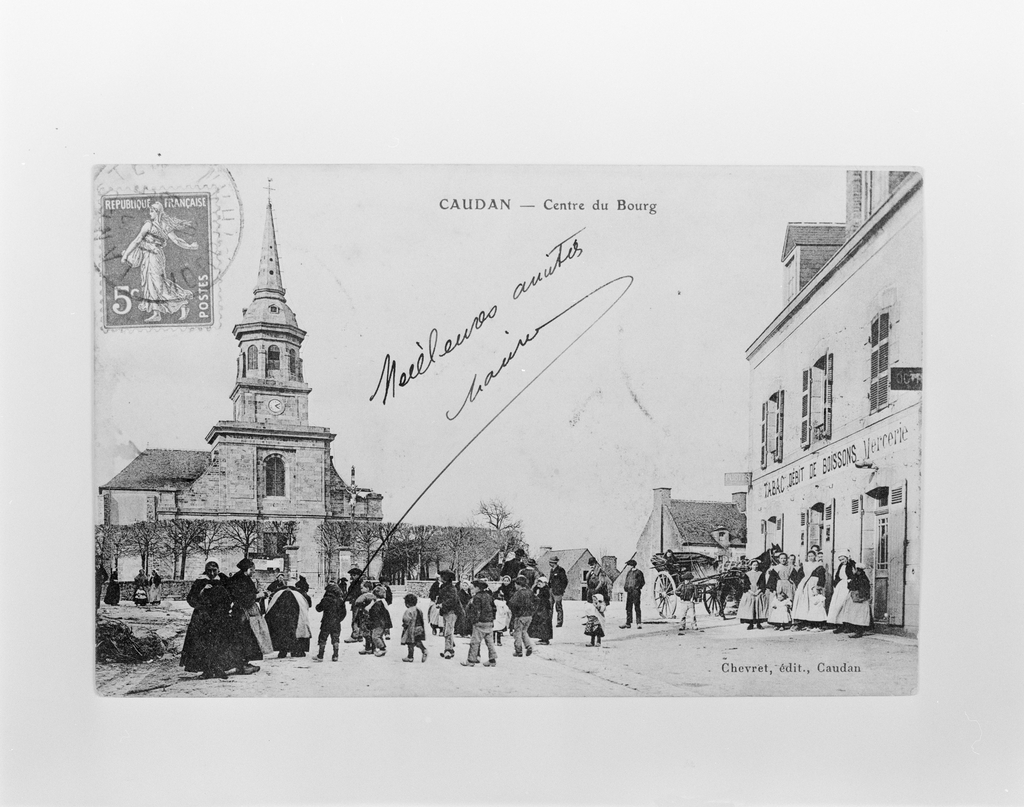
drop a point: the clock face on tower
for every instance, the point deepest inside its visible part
(276, 406)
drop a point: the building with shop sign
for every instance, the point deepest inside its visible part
(835, 384)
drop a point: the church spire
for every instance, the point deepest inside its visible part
(269, 279)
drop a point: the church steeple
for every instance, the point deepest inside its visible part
(269, 282)
(269, 384)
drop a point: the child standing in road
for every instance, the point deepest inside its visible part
(779, 614)
(332, 606)
(502, 616)
(595, 621)
(414, 630)
(378, 620)
(688, 597)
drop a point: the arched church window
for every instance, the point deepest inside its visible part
(292, 363)
(274, 471)
(252, 357)
(273, 358)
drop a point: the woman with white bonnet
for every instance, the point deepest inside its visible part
(855, 616)
(840, 591)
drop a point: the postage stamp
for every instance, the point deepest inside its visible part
(164, 237)
(157, 266)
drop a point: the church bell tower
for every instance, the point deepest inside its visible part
(269, 387)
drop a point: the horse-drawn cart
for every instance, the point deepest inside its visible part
(712, 587)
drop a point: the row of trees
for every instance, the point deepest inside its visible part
(415, 550)
(159, 544)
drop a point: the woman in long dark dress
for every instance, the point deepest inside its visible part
(288, 621)
(252, 634)
(211, 645)
(540, 626)
(113, 594)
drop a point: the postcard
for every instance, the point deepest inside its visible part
(451, 430)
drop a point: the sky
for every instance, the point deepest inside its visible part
(654, 394)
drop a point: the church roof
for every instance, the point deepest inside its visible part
(158, 468)
(696, 520)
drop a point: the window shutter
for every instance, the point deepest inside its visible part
(782, 532)
(827, 420)
(805, 411)
(779, 425)
(896, 497)
(854, 506)
(764, 435)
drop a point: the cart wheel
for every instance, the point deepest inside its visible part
(711, 601)
(665, 595)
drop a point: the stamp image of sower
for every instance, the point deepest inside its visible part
(164, 237)
(162, 272)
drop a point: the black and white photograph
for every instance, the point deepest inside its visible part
(597, 420)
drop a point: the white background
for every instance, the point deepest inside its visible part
(729, 84)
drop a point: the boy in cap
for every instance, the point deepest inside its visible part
(332, 606)
(522, 605)
(449, 605)
(481, 616)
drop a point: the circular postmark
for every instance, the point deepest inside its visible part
(163, 237)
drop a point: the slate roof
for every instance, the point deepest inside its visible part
(696, 520)
(805, 234)
(567, 558)
(157, 468)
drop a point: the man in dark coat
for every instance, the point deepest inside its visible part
(450, 606)
(243, 603)
(558, 582)
(514, 566)
(481, 616)
(210, 646)
(597, 582)
(530, 572)
(633, 585)
(522, 605)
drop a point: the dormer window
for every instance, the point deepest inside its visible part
(274, 309)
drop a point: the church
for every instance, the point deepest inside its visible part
(267, 464)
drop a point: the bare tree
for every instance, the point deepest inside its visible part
(508, 531)
(110, 540)
(331, 538)
(424, 541)
(214, 540)
(242, 534)
(182, 535)
(461, 545)
(277, 535)
(146, 539)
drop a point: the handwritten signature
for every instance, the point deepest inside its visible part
(391, 379)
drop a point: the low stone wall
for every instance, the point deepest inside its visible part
(169, 589)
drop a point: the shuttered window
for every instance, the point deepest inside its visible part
(878, 392)
(764, 435)
(805, 410)
(772, 426)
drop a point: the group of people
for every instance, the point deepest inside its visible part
(146, 591)
(806, 597)
(235, 622)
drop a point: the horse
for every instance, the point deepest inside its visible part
(732, 583)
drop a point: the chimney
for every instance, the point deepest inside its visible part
(543, 551)
(608, 562)
(739, 500)
(661, 497)
(855, 212)
(353, 476)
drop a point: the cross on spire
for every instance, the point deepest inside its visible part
(269, 188)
